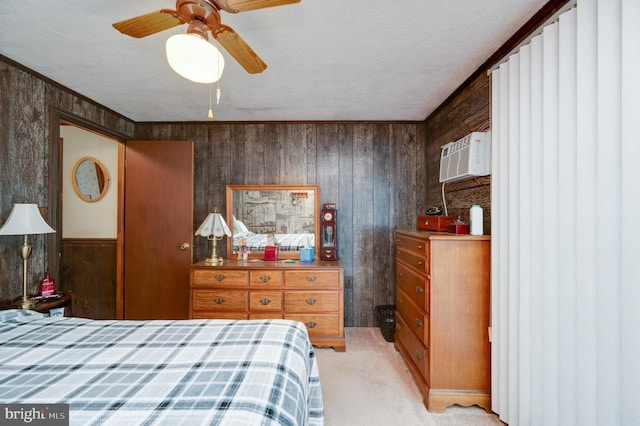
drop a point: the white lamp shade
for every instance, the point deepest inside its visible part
(194, 58)
(215, 225)
(25, 219)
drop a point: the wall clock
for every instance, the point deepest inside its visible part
(328, 231)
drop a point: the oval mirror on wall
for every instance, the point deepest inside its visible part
(90, 179)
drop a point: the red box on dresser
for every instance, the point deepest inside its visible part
(271, 253)
(434, 223)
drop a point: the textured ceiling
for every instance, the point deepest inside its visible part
(327, 59)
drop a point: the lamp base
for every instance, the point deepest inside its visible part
(213, 261)
(27, 303)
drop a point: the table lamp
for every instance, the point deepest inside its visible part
(25, 219)
(214, 228)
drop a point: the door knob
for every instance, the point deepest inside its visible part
(184, 246)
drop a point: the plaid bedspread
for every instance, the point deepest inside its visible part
(188, 372)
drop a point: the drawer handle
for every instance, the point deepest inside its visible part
(265, 278)
(418, 322)
(398, 300)
(420, 246)
(399, 274)
(311, 278)
(311, 301)
(265, 301)
(220, 277)
(219, 300)
(418, 356)
(398, 327)
(420, 263)
(311, 324)
(419, 290)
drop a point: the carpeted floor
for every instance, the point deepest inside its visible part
(369, 384)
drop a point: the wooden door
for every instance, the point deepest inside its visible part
(158, 221)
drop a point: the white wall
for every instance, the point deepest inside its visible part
(81, 219)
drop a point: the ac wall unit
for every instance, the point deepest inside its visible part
(466, 158)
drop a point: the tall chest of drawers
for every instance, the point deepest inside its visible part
(442, 316)
(309, 292)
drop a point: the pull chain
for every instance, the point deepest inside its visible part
(210, 115)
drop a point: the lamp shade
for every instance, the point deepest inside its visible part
(215, 225)
(194, 58)
(25, 219)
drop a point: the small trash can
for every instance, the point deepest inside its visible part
(385, 315)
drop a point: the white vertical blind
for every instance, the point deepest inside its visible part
(586, 338)
(629, 208)
(567, 184)
(565, 200)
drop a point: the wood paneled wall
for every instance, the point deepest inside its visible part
(468, 111)
(374, 172)
(89, 271)
(380, 175)
(30, 107)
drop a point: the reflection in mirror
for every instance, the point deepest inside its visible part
(90, 179)
(261, 214)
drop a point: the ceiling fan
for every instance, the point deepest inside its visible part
(203, 16)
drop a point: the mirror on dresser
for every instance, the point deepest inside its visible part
(288, 212)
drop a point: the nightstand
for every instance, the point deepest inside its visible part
(61, 300)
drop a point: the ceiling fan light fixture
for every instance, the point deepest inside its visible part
(194, 58)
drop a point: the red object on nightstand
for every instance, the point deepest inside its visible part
(47, 286)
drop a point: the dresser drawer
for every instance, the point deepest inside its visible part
(219, 300)
(417, 352)
(267, 300)
(415, 286)
(416, 319)
(219, 277)
(312, 279)
(265, 278)
(311, 301)
(414, 245)
(325, 325)
(413, 259)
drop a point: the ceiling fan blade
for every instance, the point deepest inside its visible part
(238, 48)
(235, 6)
(147, 24)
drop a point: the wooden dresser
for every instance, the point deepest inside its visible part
(310, 292)
(442, 316)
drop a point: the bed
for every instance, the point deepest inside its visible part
(192, 372)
